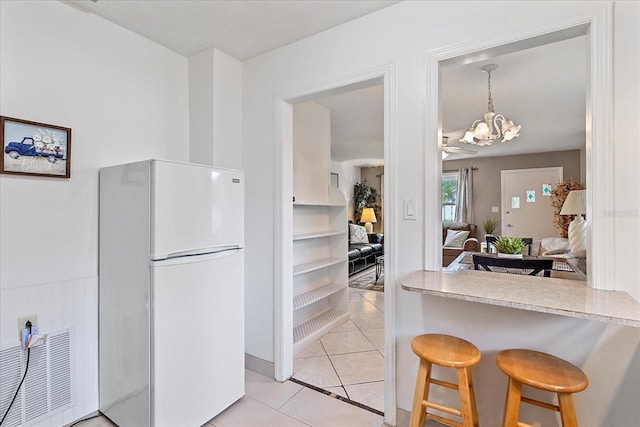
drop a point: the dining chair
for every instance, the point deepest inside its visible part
(528, 242)
(530, 266)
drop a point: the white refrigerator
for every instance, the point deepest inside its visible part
(171, 292)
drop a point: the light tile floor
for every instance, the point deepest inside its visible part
(268, 403)
(349, 360)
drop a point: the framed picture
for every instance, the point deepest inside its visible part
(31, 148)
(335, 180)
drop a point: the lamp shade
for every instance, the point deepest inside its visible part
(368, 215)
(575, 203)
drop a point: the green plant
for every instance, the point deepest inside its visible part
(509, 245)
(488, 225)
(364, 196)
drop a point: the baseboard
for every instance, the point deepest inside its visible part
(259, 366)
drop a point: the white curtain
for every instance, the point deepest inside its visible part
(464, 196)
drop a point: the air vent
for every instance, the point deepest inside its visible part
(47, 388)
(10, 375)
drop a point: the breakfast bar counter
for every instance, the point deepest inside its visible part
(572, 298)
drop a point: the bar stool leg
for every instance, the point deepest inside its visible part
(512, 404)
(467, 398)
(474, 408)
(418, 412)
(567, 410)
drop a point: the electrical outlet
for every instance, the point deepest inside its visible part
(23, 320)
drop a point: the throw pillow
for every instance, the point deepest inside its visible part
(554, 246)
(358, 234)
(455, 238)
(555, 252)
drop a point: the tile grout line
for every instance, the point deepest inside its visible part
(289, 399)
(298, 392)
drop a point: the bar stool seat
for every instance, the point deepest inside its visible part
(542, 371)
(452, 352)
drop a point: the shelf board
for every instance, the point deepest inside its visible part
(313, 295)
(309, 331)
(318, 203)
(307, 267)
(317, 234)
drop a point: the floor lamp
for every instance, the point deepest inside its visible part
(576, 204)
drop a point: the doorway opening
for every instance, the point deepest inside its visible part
(337, 141)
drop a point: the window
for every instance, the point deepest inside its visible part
(449, 193)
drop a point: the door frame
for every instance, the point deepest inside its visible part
(283, 295)
(503, 202)
(597, 25)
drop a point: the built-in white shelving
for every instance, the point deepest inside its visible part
(309, 266)
(313, 295)
(316, 235)
(316, 203)
(310, 330)
(320, 267)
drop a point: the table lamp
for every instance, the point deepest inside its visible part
(368, 217)
(576, 204)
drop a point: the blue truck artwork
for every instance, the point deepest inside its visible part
(47, 147)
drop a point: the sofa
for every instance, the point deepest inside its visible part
(455, 240)
(364, 249)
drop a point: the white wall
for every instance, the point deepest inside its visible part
(125, 99)
(311, 152)
(215, 106)
(201, 118)
(401, 35)
(348, 174)
(627, 150)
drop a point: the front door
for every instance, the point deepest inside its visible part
(526, 202)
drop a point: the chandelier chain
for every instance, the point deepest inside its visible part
(490, 101)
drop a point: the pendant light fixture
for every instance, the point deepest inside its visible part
(494, 126)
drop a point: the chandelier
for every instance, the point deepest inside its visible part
(481, 132)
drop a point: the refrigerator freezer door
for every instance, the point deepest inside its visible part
(195, 208)
(197, 337)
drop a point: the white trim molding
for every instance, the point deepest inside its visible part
(598, 26)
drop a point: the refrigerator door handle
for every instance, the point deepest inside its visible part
(201, 251)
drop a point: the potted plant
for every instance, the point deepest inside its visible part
(364, 196)
(489, 225)
(509, 246)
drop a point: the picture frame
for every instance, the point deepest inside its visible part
(32, 148)
(335, 180)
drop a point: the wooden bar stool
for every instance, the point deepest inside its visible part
(444, 350)
(542, 371)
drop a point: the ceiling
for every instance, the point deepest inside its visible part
(242, 29)
(542, 88)
(357, 125)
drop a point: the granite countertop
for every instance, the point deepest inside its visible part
(572, 298)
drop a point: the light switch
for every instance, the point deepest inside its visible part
(495, 209)
(410, 212)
